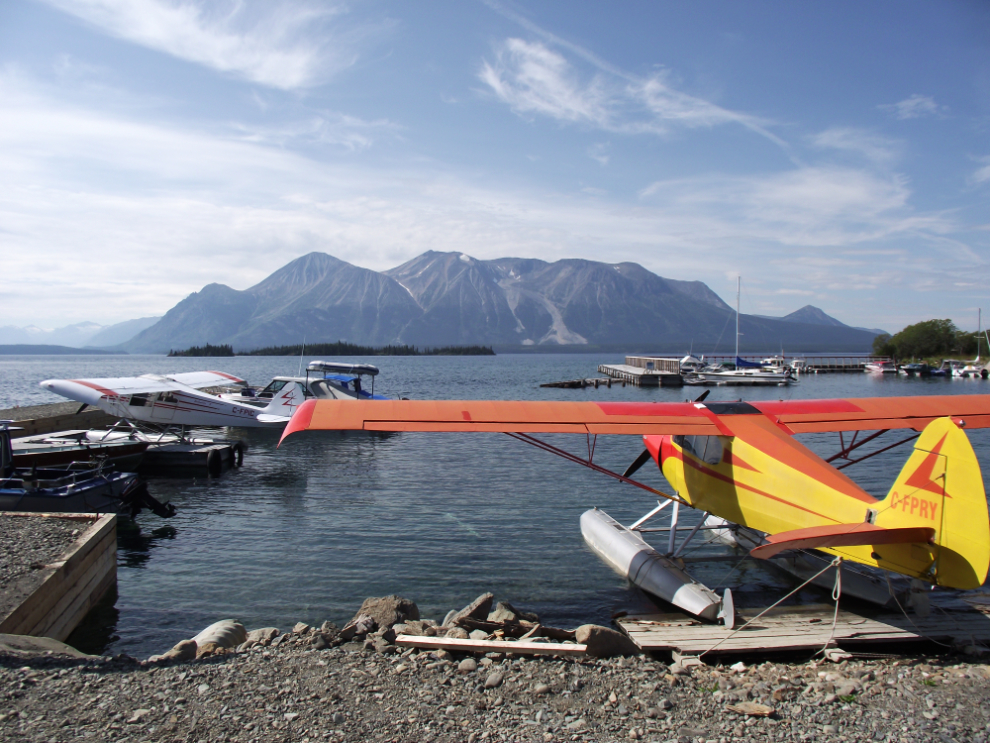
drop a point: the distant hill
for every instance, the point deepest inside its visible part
(32, 349)
(114, 335)
(79, 335)
(811, 315)
(447, 299)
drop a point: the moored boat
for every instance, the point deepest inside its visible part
(78, 488)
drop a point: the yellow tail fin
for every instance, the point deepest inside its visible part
(940, 487)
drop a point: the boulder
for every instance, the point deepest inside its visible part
(184, 650)
(358, 627)
(477, 609)
(209, 648)
(458, 633)
(387, 610)
(506, 612)
(262, 636)
(24, 646)
(603, 642)
(226, 633)
(418, 628)
(301, 628)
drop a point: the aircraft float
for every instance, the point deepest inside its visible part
(178, 399)
(739, 464)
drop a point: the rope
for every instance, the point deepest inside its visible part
(835, 563)
(836, 595)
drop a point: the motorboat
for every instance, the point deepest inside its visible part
(81, 487)
(880, 367)
(915, 370)
(63, 448)
(691, 364)
(324, 380)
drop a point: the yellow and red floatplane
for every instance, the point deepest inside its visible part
(738, 462)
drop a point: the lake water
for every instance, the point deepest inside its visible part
(306, 532)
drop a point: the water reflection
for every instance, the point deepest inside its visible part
(134, 545)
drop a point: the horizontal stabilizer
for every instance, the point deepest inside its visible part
(842, 535)
(265, 418)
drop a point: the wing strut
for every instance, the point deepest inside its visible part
(854, 444)
(539, 444)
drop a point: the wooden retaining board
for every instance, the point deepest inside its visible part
(806, 628)
(489, 646)
(70, 586)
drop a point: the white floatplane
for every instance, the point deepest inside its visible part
(178, 399)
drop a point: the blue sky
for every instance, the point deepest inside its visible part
(835, 154)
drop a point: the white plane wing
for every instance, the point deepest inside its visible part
(201, 379)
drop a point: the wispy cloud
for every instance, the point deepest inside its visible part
(533, 78)
(878, 149)
(326, 128)
(982, 174)
(599, 153)
(146, 213)
(914, 107)
(280, 44)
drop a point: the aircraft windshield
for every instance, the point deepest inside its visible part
(706, 448)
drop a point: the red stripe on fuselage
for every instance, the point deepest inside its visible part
(739, 485)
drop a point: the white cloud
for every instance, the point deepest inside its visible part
(281, 44)
(106, 217)
(982, 174)
(599, 153)
(532, 78)
(880, 150)
(913, 107)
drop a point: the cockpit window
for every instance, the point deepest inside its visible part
(274, 386)
(706, 448)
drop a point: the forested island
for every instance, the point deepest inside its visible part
(340, 348)
(207, 350)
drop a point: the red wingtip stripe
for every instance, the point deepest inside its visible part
(98, 388)
(300, 420)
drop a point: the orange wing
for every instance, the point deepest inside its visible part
(705, 419)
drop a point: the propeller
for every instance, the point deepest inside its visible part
(642, 459)
(645, 455)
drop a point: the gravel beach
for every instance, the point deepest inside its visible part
(27, 545)
(289, 690)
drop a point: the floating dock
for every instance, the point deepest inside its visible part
(809, 628)
(646, 371)
(60, 416)
(71, 585)
(184, 459)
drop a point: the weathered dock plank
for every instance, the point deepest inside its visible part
(68, 587)
(805, 628)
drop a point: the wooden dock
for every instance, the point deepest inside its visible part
(71, 585)
(640, 376)
(809, 628)
(34, 420)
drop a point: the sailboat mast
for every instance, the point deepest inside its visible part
(979, 327)
(738, 292)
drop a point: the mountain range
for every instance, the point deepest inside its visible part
(439, 299)
(79, 335)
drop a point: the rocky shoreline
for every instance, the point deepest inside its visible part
(355, 684)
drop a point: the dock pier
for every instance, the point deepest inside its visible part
(646, 371)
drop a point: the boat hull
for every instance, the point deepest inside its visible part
(100, 494)
(629, 555)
